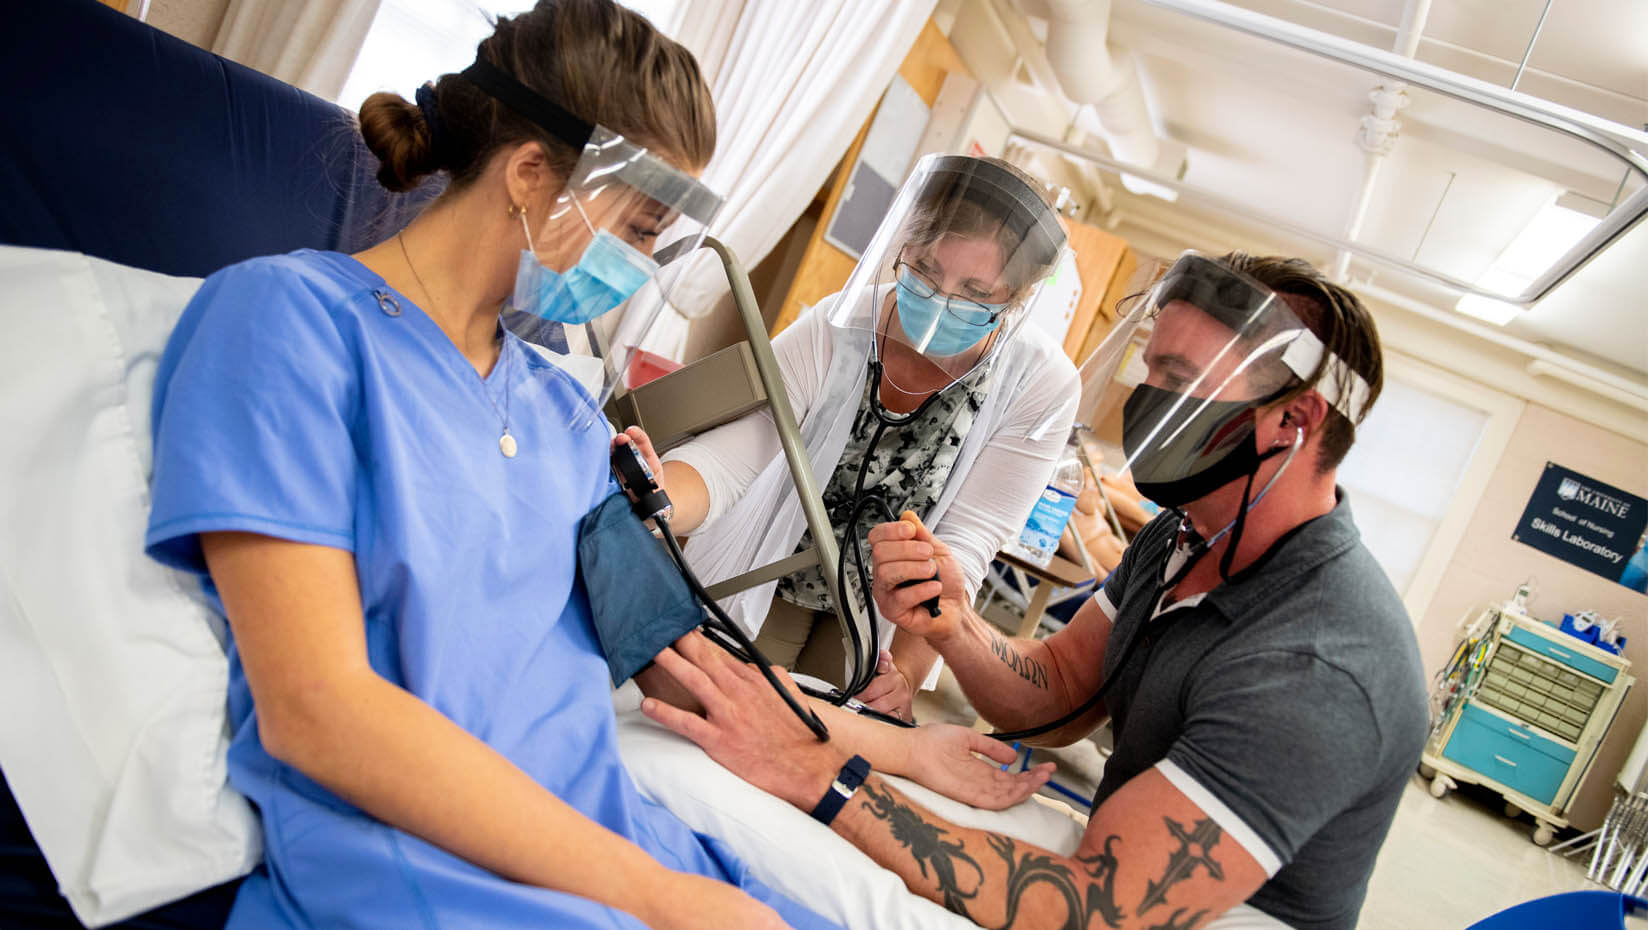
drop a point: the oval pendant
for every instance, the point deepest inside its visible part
(506, 445)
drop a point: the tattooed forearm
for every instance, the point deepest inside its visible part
(1195, 849)
(927, 845)
(1027, 668)
(1032, 868)
(1085, 883)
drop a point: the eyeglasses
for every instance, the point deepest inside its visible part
(965, 309)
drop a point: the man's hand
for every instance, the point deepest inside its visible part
(942, 758)
(907, 551)
(888, 691)
(746, 726)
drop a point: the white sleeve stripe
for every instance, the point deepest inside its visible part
(1223, 816)
(1103, 600)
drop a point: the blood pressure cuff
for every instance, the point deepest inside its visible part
(637, 597)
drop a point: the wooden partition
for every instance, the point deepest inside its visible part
(1105, 264)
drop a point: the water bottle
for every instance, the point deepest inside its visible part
(1039, 539)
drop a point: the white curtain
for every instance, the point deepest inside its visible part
(793, 83)
(309, 43)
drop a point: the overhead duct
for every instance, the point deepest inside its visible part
(1104, 83)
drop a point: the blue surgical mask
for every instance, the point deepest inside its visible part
(609, 271)
(940, 329)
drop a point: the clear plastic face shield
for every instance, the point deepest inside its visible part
(1189, 368)
(620, 236)
(951, 272)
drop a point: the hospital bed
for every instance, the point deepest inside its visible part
(144, 163)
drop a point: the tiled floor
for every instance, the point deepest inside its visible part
(1454, 861)
(1446, 864)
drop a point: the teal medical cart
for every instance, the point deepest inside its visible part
(1527, 722)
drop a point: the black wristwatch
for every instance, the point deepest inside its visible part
(846, 782)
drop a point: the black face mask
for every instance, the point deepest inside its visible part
(1196, 449)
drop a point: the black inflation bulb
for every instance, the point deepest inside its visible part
(931, 603)
(648, 499)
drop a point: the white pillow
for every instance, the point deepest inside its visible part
(794, 854)
(112, 669)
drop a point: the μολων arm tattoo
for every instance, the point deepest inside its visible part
(1025, 667)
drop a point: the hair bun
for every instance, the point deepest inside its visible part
(397, 133)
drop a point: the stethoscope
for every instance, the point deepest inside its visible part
(650, 502)
(1164, 583)
(864, 672)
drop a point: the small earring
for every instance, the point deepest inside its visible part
(516, 209)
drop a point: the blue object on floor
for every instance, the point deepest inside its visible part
(1024, 766)
(1579, 910)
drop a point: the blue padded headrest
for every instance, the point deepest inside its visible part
(131, 145)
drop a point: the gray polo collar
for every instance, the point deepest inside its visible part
(1304, 548)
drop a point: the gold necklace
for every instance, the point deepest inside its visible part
(506, 442)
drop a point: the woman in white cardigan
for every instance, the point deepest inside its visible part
(916, 384)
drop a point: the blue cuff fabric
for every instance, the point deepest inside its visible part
(637, 597)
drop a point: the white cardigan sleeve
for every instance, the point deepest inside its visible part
(730, 456)
(998, 492)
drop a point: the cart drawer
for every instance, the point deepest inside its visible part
(1526, 737)
(1506, 760)
(1567, 656)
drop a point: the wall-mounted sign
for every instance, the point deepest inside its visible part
(882, 163)
(1585, 522)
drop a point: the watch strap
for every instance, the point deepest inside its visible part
(847, 781)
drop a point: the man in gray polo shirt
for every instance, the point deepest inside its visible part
(1262, 678)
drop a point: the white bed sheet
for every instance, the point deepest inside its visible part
(794, 854)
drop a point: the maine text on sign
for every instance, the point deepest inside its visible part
(1571, 490)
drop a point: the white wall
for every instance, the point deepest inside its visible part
(193, 21)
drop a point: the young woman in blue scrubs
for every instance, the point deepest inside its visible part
(380, 488)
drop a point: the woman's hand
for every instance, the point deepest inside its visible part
(889, 692)
(942, 758)
(908, 551)
(637, 437)
(693, 902)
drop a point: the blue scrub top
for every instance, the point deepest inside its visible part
(302, 398)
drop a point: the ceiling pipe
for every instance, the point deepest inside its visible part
(1543, 359)
(1613, 226)
(1377, 135)
(1628, 145)
(1540, 368)
(1412, 27)
(1232, 207)
(1376, 138)
(1102, 80)
(1528, 53)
